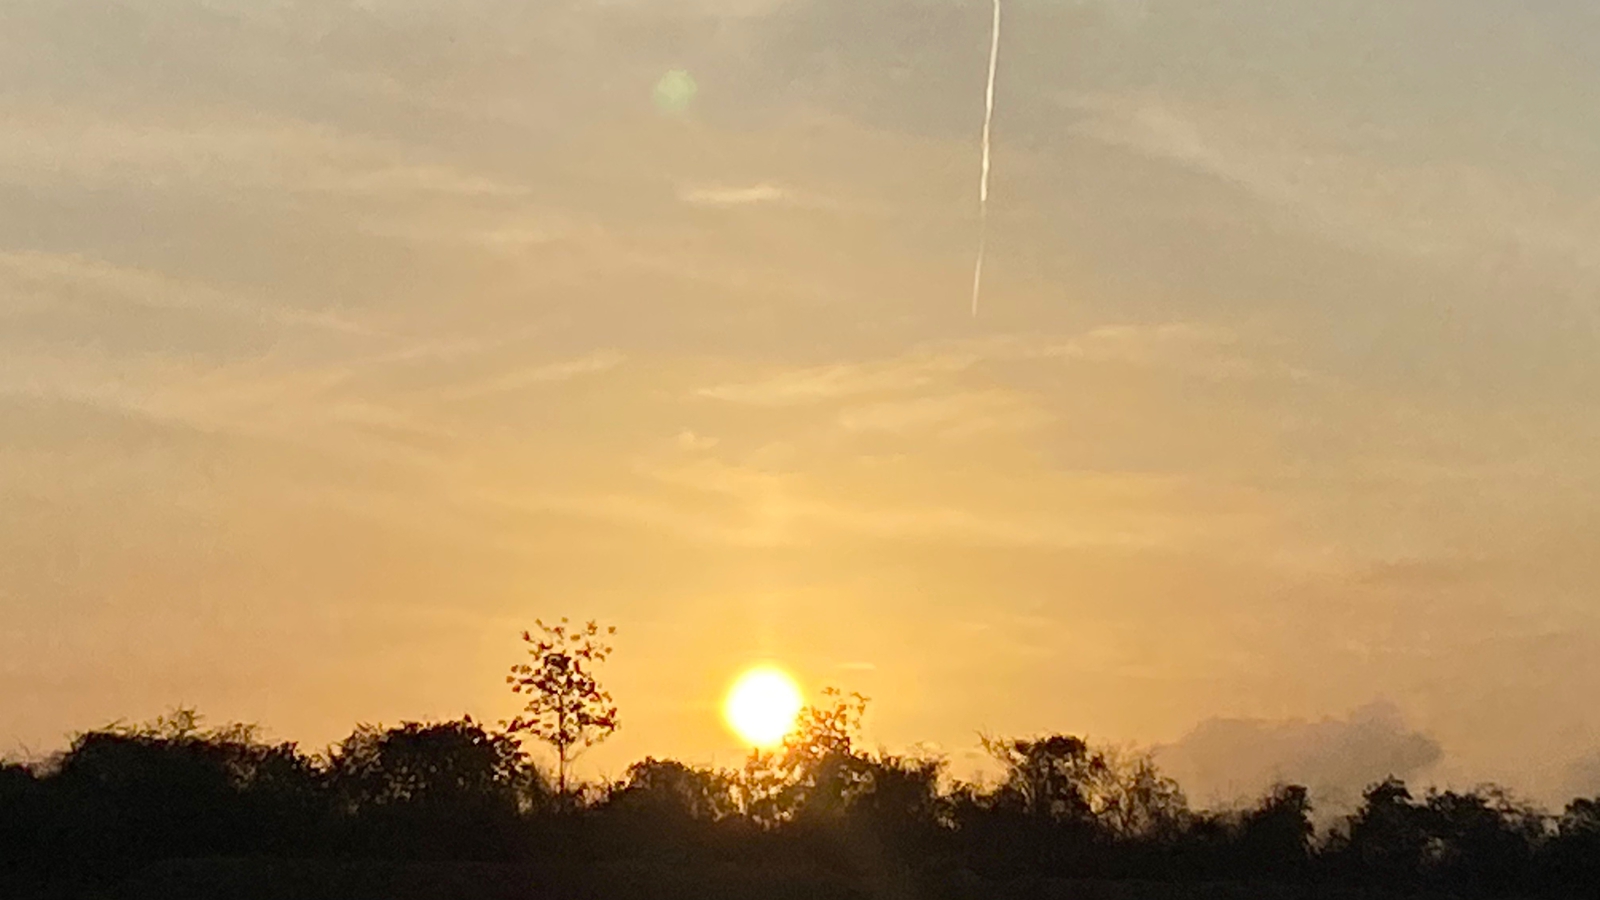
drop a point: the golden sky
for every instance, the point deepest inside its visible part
(339, 340)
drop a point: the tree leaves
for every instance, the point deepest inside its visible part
(566, 708)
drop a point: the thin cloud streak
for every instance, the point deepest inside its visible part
(550, 373)
(1444, 211)
(758, 194)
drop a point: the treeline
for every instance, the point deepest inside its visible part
(120, 799)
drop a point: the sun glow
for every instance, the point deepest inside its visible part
(762, 705)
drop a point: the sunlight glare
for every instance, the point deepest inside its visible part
(762, 706)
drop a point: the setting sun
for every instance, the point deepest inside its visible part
(762, 706)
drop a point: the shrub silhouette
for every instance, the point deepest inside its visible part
(1480, 842)
(1387, 837)
(25, 812)
(1274, 839)
(1572, 859)
(675, 793)
(445, 790)
(121, 795)
(822, 816)
(1048, 779)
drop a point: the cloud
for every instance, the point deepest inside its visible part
(547, 373)
(941, 524)
(688, 440)
(1323, 180)
(952, 415)
(35, 281)
(702, 526)
(799, 387)
(399, 179)
(1583, 777)
(1226, 760)
(1210, 351)
(748, 503)
(735, 196)
(768, 194)
(68, 147)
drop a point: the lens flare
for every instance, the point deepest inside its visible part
(762, 705)
(675, 91)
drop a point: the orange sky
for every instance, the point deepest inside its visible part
(340, 340)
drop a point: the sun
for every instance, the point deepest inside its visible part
(762, 705)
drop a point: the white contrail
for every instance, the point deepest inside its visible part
(983, 181)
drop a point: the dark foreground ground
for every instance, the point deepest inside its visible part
(247, 879)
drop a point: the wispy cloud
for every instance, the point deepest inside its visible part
(689, 440)
(52, 278)
(749, 195)
(547, 373)
(792, 508)
(49, 147)
(1212, 351)
(957, 414)
(401, 179)
(798, 387)
(1445, 210)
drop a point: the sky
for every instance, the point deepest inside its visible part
(340, 339)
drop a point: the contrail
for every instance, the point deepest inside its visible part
(983, 182)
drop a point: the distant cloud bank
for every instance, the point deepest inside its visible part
(1226, 760)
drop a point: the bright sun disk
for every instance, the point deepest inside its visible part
(762, 706)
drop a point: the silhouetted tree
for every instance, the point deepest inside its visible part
(1483, 841)
(671, 790)
(440, 789)
(1572, 855)
(829, 728)
(812, 763)
(172, 787)
(760, 789)
(1581, 819)
(1070, 808)
(1274, 838)
(898, 798)
(821, 769)
(24, 811)
(1130, 797)
(566, 708)
(823, 817)
(1386, 838)
(1048, 778)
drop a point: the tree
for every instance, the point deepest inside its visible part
(1128, 795)
(566, 708)
(1274, 838)
(1572, 856)
(669, 790)
(1484, 839)
(428, 764)
(898, 798)
(816, 769)
(1386, 840)
(1048, 778)
(172, 787)
(24, 813)
(431, 789)
(819, 758)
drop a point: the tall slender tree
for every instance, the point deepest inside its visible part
(567, 708)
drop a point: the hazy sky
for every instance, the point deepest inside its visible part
(338, 340)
